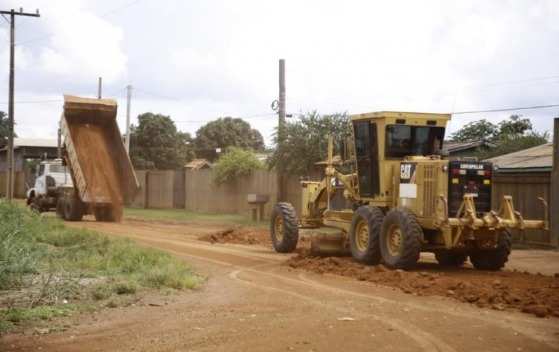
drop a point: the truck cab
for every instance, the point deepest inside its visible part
(51, 176)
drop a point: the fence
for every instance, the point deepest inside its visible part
(525, 188)
(19, 184)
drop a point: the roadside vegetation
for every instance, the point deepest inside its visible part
(48, 270)
(180, 215)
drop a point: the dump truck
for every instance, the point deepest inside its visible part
(103, 178)
(392, 195)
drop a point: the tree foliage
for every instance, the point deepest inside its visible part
(510, 135)
(224, 133)
(306, 141)
(234, 164)
(156, 143)
(4, 129)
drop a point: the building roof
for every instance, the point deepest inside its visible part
(453, 147)
(35, 142)
(533, 159)
(198, 164)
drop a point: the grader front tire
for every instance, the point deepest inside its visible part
(284, 229)
(364, 234)
(400, 240)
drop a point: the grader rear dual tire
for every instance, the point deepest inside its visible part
(450, 258)
(494, 259)
(364, 234)
(284, 228)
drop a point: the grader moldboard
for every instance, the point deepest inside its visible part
(400, 198)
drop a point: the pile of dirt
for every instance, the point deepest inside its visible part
(529, 293)
(239, 235)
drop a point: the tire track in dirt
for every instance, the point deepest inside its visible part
(424, 340)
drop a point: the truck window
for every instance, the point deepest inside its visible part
(41, 170)
(57, 169)
(403, 140)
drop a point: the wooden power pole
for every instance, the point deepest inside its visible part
(554, 204)
(10, 176)
(281, 131)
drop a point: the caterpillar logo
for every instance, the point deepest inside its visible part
(471, 166)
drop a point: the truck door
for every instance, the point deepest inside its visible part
(366, 153)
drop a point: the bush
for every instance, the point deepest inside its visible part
(234, 164)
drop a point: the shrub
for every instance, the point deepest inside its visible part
(234, 164)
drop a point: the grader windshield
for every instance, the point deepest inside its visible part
(405, 140)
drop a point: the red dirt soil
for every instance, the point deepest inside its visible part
(529, 293)
(239, 235)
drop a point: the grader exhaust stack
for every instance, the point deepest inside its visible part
(401, 197)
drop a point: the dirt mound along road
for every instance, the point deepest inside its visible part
(529, 293)
(239, 235)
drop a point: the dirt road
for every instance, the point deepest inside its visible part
(251, 302)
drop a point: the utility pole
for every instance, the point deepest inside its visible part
(10, 178)
(128, 102)
(554, 205)
(281, 130)
(100, 88)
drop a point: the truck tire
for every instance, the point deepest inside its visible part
(451, 258)
(400, 240)
(493, 259)
(284, 229)
(73, 209)
(108, 214)
(60, 208)
(364, 234)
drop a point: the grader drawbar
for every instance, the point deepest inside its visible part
(398, 196)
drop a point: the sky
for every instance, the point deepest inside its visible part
(199, 60)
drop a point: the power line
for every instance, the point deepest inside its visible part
(534, 107)
(33, 101)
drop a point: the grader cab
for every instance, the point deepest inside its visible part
(401, 197)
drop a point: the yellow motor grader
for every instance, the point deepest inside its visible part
(398, 197)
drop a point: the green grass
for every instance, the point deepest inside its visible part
(46, 262)
(186, 216)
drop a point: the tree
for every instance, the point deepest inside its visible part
(513, 127)
(306, 141)
(4, 129)
(156, 143)
(234, 164)
(224, 133)
(474, 131)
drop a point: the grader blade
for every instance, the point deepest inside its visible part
(328, 241)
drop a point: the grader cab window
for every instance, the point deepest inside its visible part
(403, 140)
(366, 153)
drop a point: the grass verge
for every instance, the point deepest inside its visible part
(48, 270)
(182, 215)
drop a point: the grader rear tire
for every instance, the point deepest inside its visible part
(495, 259)
(284, 229)
(400, 240)
(364, 234)
(450, 258)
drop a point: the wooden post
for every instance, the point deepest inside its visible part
(554, 203)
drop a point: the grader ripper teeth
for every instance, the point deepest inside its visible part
(402, 197)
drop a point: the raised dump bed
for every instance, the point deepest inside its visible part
(101, 170)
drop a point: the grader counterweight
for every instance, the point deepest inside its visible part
(403, 197)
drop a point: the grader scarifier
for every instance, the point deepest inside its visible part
(401, 197)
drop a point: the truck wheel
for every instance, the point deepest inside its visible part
(494, 259)
(400, 240)
(108, 214)
(60, 208)
(451, 258)
(364, 234)
(283, 228)
(73, 209)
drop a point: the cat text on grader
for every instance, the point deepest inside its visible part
(398, 197)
